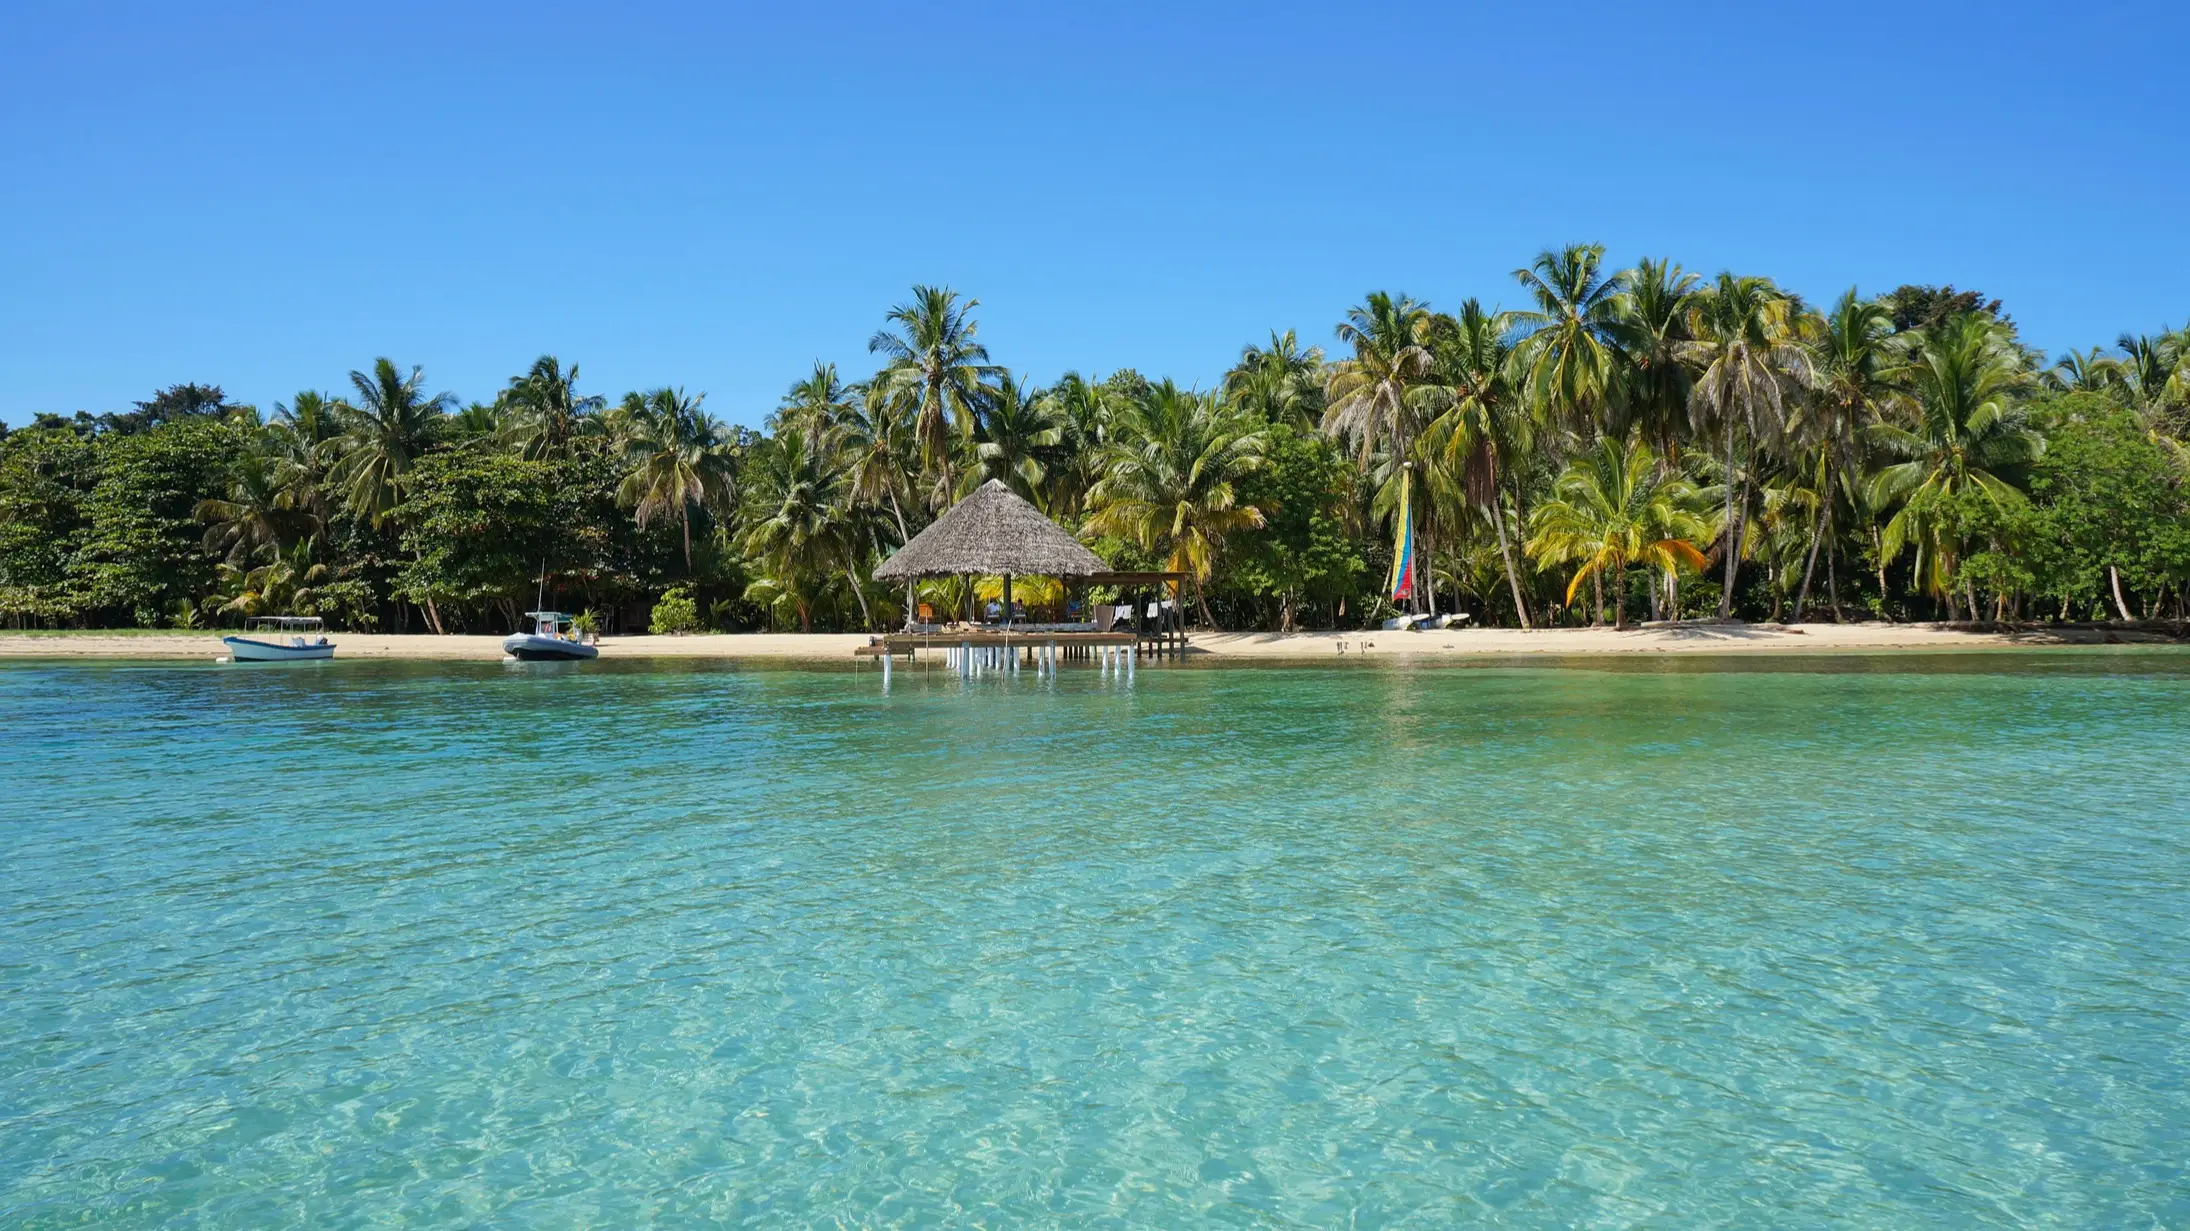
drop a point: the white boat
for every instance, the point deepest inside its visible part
(280, 639)
(552, 639)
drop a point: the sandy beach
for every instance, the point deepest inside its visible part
(838, 647)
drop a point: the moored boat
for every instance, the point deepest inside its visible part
(279, 639)
(552, 639)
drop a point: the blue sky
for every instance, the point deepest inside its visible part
(267, 197)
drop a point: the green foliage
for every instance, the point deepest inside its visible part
(674, 613)
(142, 549)
(45, 475)
(1303, 556)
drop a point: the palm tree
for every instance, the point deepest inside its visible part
(1081, 409)
(248, 520)
(1168, 480)
(2088, 371)
(678, 457)
(547, 418)
(799, 525)
(1482, 423)
(934, 349)
(384, 431)
(1021, 430)
(1748, 346)
(816, 404)
(1571, 355)
(1612, 507)
(1283, 384)
(1660, 298)
(1851, 358)
(1372, 396)
(1967, 435)
(302, 440)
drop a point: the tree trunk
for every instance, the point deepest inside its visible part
(1731, 531)
(1201, 600)
(1505, 548)
(1832, 584)
(1878, 544)
(1619, 596)
(684, 519)
(1817, 536)
(2114, 579)
(433, 617)
(866, 617)
(1596, 598)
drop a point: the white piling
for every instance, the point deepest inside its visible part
(1130, 653)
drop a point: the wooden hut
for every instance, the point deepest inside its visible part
(988, 534)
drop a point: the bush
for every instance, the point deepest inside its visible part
(676, 613)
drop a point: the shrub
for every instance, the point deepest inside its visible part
(675, 613)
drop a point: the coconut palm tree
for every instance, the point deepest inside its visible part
(1612, 507)
(2088, 371)
(1169, 472)
(1020, 432)
(1659, 300)
(678, 458)
(249, 520)
(1851, 357)
(800, 526)
(1482, 422)
(814, 405)
(1572, 350)
(392, 422)
(934, 348)
(1081, 409)
(1283, 383)
(1748, 345)
(301, 441)
(1968, 434)
(1373, 397)
(546, 416)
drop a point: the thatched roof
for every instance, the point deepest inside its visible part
(992, 531)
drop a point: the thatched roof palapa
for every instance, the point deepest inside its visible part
(989, 532)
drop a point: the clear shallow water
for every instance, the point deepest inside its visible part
(1860, 942)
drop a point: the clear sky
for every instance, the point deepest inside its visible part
(266, 197)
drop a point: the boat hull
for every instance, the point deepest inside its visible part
(527, 647)
(247, 650)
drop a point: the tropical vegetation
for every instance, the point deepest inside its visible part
(1624, 444)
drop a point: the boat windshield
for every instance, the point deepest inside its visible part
(552, 623)
(283, 624)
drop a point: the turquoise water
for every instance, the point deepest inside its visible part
(1802, 943)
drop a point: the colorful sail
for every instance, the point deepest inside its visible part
(1403, 550)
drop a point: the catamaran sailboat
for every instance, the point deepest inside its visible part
(552, 639)
(280, 639)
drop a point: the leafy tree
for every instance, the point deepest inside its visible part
(46, 473)
(1911, 307)
(142, 550)
(1303, 554)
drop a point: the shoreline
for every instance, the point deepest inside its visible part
(1204, 646)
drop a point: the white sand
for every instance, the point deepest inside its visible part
(837, 647)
